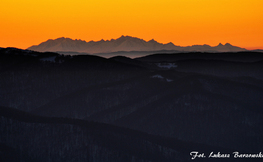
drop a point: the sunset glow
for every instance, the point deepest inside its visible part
(183, 22)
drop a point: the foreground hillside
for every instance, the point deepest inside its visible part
(25, 137)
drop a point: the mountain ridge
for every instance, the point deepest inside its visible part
(124, 43)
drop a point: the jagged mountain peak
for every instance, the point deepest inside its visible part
(228, 44)
(152, 41)
(123, 38)
(220, 44)
(61, 39)
(126, 36)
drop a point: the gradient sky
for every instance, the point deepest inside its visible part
(183, 22)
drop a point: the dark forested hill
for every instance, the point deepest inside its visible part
(154, 108)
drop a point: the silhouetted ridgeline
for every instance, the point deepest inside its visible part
(125, 44)
(154, 108)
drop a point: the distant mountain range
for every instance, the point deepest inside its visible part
(125, 44)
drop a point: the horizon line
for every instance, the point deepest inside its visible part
(247, 48)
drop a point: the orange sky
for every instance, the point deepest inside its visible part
(184, 22)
